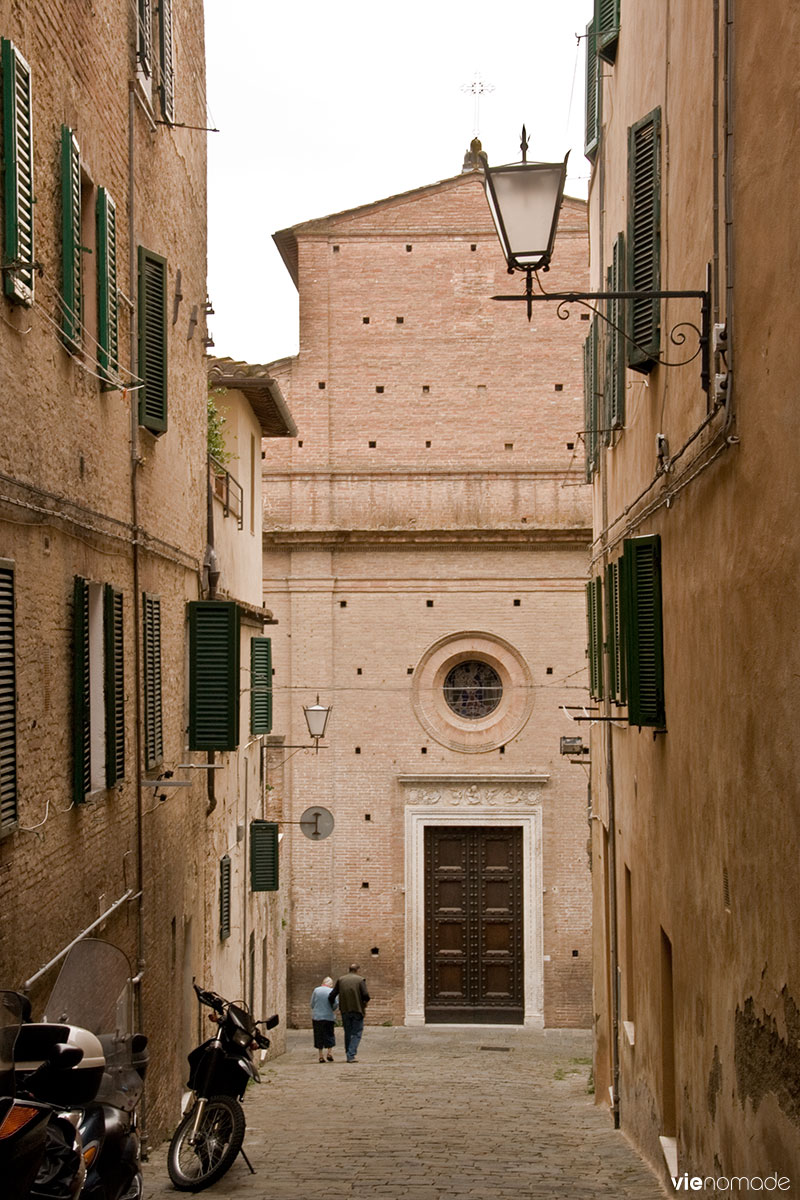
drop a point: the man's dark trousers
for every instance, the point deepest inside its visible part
(353, 1025)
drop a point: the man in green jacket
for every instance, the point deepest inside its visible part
(351, 991)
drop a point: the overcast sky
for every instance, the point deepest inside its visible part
(325, 106)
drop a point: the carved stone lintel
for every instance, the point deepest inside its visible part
(476, 796)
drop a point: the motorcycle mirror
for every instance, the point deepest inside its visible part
(271, 1022)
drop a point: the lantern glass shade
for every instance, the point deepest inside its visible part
(317, 718)
(525, 200)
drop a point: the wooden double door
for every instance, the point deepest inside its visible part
(473, 925)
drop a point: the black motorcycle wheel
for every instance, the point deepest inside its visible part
(219, 1139)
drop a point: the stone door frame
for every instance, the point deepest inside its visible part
(418, 815)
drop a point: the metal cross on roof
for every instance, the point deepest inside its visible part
(477, 88)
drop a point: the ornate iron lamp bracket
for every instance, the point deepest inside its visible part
(676, 335)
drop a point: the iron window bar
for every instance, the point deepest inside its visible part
(226, 489)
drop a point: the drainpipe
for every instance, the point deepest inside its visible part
(728, 169)
(137, 624)
(212, 570)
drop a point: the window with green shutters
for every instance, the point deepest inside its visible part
(114, 685)
(614, 632)
(81, 693)
(71, 254)
(614, 389)
(644, 239)
(592, 128)
(260, 685)
(8, 701)
(151, 634)
(594, 621)
(643, 630)
(224, 897)
(591, 407)
(166, 60)
(17, 172)
(144, 39)
(214, 687)
(606, 22)
(107, 297)
(263, 856)
(152, 340)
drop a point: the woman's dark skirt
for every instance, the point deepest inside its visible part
(324, 1036)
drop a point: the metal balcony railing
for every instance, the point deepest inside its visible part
(227, 490)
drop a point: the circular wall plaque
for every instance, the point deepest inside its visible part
(317, 823)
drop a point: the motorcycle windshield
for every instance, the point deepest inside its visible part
(94, 990)
(10, 1021)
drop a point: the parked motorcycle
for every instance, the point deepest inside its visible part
(47, 1071)
(211, 1133)
(94, 990)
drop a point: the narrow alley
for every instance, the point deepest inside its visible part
(430, 1114)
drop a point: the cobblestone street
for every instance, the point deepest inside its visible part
(430, 1114)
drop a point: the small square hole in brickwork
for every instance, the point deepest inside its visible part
(502, 749)
(409, 249)
(574, 953)
(374, 951)
(423, 750)
(263, 454)
(473, 246)
(365, 320)
(399, 320)
(342, 604)
(425, 389)
(358, 750)
(559, 387)
(359, 671)
(379, 389)
(335, 249)
(273, 670)
(367, 816)
(427, 445)
(372, 445)
(321, 386)
(584, 316)
(549, 671)
(517, 603)
(570, 445)
(409, 670)
(429, 603)
(509, 445)
(365, 884)
(300, 442)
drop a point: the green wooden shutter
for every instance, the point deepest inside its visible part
(643, 631)
(644, 239)
(590, 404)
(592, 129)
(8, 702)
(114, 672)
(594, 618)
(606, 22)
(260, 685)
(18, 242)
(224, 897)
(614, 389)
(153, 340)
(153, 725)
(167, 60)
(263, 856)
(107, 297)
(71, 254)
(614, 633)
(213, 675)
(81, 698)
(144, 41)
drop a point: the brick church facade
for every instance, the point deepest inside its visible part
(425, 548)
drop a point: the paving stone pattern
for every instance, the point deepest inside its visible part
(429, 1114)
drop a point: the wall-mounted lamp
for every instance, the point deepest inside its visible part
(316, 719)
(525, 201)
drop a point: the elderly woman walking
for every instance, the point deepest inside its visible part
(322, 1019)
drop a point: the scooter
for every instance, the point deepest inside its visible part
(94, 990)
(211, 1133)
(47, 1071)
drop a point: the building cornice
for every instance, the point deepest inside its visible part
(577, 538)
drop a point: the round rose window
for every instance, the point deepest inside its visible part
(472, 689)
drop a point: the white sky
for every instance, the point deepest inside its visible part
(325, 106)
